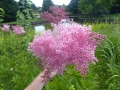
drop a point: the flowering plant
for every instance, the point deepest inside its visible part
(5, 28)
(56, 15)
(67, 44)
(18, 30)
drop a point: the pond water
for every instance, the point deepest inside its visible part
(45, 26)
(39, 28)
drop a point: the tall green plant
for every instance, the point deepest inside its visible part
(72, 80)
(107, 69)
(2, 12)
(111, 53)
(24, 15)
(21, 20)
(25, 8)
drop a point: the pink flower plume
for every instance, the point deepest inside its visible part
(5, 28)
(18, 30)
(67, 44)
(56, 15)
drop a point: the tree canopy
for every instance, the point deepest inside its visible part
(10, 7)
(46, 4)
(116, 7)
(95, 6)
(73, 6)
(33, 6)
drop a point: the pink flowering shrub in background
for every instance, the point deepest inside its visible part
(67, 44)
(56, 15)
(5, 28)
(18, 30)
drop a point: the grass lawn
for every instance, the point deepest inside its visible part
(107, 16)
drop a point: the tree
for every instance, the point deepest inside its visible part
(73, 6)
(46, 4)
(25, 8)
(33, 7)
(116, 7)
(96, 7)
(10, 7)
(64, 6)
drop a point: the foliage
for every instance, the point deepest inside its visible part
(73, 7)
(17, 65)
(46, 4)
(10, 7)
(56, 15)
(24, 15)
(72, 80)
(33, 7)
(96, 7)
(109, 53)
(64, 6)
(115, 17)
(21, 20)
(1, 14)
(107, 68)
(116, 7)
(25, 8)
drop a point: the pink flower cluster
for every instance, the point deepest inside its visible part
(5, 28)
(56, 14)
(67, 44)
(16, 29)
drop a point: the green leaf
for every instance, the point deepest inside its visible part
(1, 40)
(2, 67)
(112, 78)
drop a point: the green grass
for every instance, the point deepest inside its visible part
(104, 16)
(110, 16)
(108, 54)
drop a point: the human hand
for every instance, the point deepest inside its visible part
(41, 79)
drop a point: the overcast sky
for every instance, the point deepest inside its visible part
(58, 2)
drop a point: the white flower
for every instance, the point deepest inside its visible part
(11, 69)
